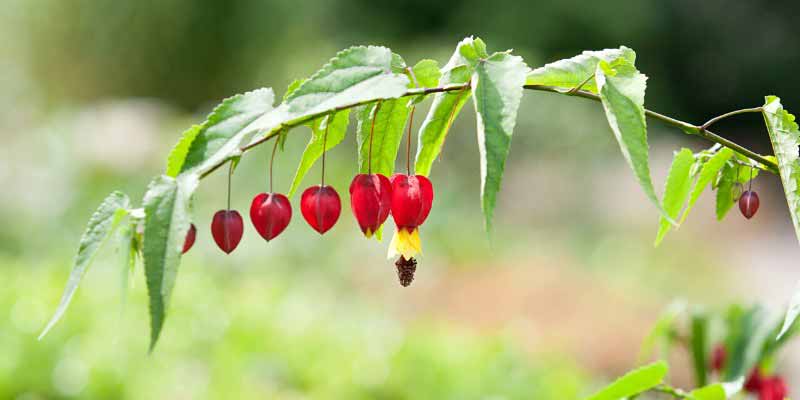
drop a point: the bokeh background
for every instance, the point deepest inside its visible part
(93, 94)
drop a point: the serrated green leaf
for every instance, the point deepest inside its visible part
(676, 190)
(426, 74)
(707, 174)
(390, 123)
(292, 87)
(699, 346)
(725, 197)
(178, 154)
(498, 84)
(222, 133)
(336, 133)
(469, 51)
(570, 73)
(785, 137)
(633, 383)
(128, 250)
(398, 63)
(357, 74)
(167, 220)
(621, 89)
(102, 223)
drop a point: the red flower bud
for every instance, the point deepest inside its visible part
(227, 229)
(371, 201)
(748, 204)
(754, 380)
(772, 388)
(320, 206)
(718, 356)
(412, 198)
(190, 236)
(270, 214)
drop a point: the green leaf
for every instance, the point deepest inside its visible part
(662, 332)
(785, 138)
(717, 391)
(569, 73)
(699, 346)
(707, 174)
(337, 128)
(747, 333)
(292, 87)
(220, 136)
(167, 220)
(390, 123)
(102, 223)
(725, 197)
(426, 74)
(498, 84)
(676, 190)
(357, 74)
(128, 250)
(622, 89)
(633, 383)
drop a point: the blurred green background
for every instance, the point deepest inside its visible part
(93, 94)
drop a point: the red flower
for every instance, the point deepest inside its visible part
(190, 236)
(754, 380)
(270, 214)
(371, 201)
(772, 388)
(412, 199)
(748, 204)
(320, 206)
(718, 356)
(227, 229)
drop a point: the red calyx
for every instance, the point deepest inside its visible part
(227, 229)
(320, 206)
(270, 214)
(718, 356)
(754, 380)
(748, 204)
(191, 234)
(371, 201)
(412, 199)
(772, 388)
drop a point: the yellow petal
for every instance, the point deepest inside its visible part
(405, 243)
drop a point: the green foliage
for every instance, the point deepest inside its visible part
(676, 190)
(785, 138)
(336, 127)
(725, 194)
(101, 225)
(633, 383)
(220, 136)
(498, 84)
(708, 173)
(426, 74)
(698, 336)
(572, 72)
(390, 118)
(622, 89)
(167, 220)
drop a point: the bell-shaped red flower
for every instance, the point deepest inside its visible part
(191, 234)
(371, 201)
(227, 229)
(412, 199)
(772, 388)
(320, 206)
(270, 214)
(748, 203)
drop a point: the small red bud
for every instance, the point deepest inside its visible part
(718, 356)
(320, 206)
(772, 388)
(270, 214)
(754, 380)
(227, 229)
(191, 234)
(748, 204)
(371, 201)
(412, 199)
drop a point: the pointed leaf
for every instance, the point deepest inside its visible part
(621, 89)
(102, 223)
(426, 74)
(390, 123)
(336, 132)
(498, 84)
(444, 109)
(633, 383)
(725, 195)
(220, 136)
(699, 346)
(785, 138)
(707, 174)
(570, 73)
(718, 391)
(676, 190)
(166, 222)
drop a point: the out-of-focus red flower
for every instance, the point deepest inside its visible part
(772, 388)
(718, 357)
